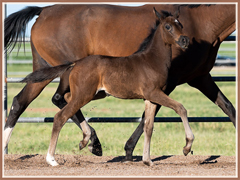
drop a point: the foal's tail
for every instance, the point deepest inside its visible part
(15, 26)
(47, 73)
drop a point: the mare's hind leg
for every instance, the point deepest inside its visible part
(160, 97)
(58, 99)
(20, 103)
(208, 87)
(24, 98)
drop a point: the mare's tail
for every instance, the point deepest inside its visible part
(15, 26)
(47, 73)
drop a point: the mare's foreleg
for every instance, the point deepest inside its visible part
(20, 103)
(208, 87)
(58, 99)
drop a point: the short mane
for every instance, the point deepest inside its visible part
(146, 42)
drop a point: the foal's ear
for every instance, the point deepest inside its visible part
(176, 14)
(158, 15)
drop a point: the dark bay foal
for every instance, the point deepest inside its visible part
(142, 75)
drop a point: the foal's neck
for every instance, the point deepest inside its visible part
(158, 50)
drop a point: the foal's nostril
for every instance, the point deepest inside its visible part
(184, 41)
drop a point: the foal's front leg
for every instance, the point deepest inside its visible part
(161, 98)
(148, 128)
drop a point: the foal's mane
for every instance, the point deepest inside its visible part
(148, 39)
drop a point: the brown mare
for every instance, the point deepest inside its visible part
(58, 36)
(142, 75)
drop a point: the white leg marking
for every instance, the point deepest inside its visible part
(6, 136)
(51, 160)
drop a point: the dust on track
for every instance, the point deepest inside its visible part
(79, 165)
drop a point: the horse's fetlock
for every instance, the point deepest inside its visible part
(87, 134)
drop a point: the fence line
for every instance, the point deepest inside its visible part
(57, 80)
(126, 119)
(25, 61)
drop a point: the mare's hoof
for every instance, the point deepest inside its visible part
(126, 160)
(95, 148)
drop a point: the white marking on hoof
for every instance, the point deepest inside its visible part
(6, 136)
(51, 160)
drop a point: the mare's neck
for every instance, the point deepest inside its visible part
(211, 22)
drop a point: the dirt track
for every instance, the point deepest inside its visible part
(78, 165)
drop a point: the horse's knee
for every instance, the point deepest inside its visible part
(59, 121)
(181, 110)
(148, 127)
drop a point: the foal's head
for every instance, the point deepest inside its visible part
(171, 29)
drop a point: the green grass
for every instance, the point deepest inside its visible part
(167, 139)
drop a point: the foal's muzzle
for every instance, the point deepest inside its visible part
(183, 42)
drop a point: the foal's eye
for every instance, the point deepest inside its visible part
(168, 27)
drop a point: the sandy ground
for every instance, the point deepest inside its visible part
(79, 165)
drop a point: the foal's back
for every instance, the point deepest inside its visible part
(119, 76)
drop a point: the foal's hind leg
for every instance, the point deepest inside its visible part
(20, 103)
(58, 99)
(74, 104)
(85, 127)
(160, 97)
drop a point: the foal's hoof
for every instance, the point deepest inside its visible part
(148, 163)
(95, 148)
(51, 161)
(81, 146)
(186, 151)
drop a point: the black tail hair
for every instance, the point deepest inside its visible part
(15, 26)
(47, 73)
